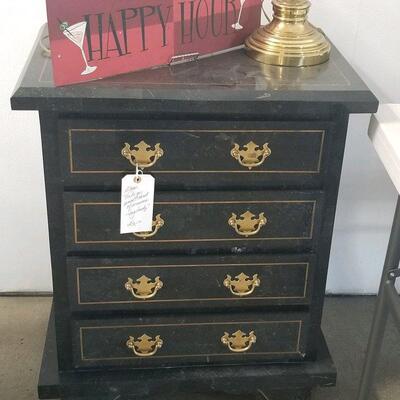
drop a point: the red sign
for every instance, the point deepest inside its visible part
(93, 39)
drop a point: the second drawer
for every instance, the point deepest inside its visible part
(193, 222)
(173, 282)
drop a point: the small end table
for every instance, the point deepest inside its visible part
(384, 133)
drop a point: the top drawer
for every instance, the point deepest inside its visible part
(194, 154)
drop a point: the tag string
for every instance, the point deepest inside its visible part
(139, 172)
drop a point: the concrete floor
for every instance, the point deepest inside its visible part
(23, 323)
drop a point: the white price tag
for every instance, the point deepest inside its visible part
(137, 201)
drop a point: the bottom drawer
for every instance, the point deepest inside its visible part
(198, 339)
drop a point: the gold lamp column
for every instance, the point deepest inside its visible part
(289, 39)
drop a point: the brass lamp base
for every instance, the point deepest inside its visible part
(289, 40)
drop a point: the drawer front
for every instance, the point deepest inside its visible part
(190, 222)
(178, 340)
(166, 283)
(194, 154)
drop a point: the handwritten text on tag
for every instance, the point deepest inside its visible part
(137, 201)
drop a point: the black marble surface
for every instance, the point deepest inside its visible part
(193, 87)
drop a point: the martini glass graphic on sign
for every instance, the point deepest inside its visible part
(76, 34)
(236, 26)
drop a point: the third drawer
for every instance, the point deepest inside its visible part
(183, 283)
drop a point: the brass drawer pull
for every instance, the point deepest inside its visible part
(242, 285)
(157, 224)
(144, 346)
(248, 224)
(143, 288)
(239, 342)
(251, 155)
(142, 155)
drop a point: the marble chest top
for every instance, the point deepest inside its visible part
(231, 77)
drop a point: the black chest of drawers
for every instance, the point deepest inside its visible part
(226, 292)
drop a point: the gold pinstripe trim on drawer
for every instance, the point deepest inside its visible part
(81, 204)
(297, 351)
(322, 132)
(306, 264)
